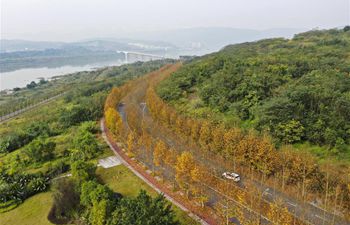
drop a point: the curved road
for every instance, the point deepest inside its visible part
(309, 213)
(146, 177)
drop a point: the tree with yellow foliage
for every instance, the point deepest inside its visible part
(265, 155)
(147, 144)
(159, 153)
(170, 157)
(113, 98)
(197, 188)
(217, 143)
(187, 124)
(246, 150)
(279, 214)
(131, 142)
(184, 166)
(173, 118)
(163, 116)
(111, 118)
(118, 125)
(179, 123)
(231, 140)
(205, 135)
(195, 128)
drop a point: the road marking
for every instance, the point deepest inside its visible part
(322, 218)
(292, 204)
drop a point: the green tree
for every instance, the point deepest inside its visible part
(91, 192)
(65, 199)
(98, 214)
(143, 210)
(82, 171)
(41, 149)
(290, 132)
(85, 146)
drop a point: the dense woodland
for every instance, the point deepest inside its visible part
(297, 90)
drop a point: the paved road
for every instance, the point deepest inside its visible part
(146, 178)
(20, 111)
(309, 213)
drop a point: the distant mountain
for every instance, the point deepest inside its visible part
(92, 45)
(18, 54)
(170, 43)
(205, 40)
(69, 55)
(24, 45)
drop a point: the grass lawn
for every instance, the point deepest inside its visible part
(32, 211)
(122, 180)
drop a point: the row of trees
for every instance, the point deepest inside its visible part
(257, 152)
(189, 175)
(197, 182)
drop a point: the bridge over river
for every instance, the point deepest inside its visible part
(139, 56)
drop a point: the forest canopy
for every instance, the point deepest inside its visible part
(298, 90)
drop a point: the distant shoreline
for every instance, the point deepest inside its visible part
(21, 77)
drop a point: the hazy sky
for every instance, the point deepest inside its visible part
(69, 20)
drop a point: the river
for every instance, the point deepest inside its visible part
(22, 77)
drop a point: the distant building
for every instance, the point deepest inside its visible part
(187, 57)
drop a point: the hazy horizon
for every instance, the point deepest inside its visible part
(133, 35)
(63, 20)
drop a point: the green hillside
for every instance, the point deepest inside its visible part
(298, 90)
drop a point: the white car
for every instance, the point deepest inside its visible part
(232, 176)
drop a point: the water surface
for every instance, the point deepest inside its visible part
(22, 77)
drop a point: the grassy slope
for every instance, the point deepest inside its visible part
(41, 113)
(33, 211)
